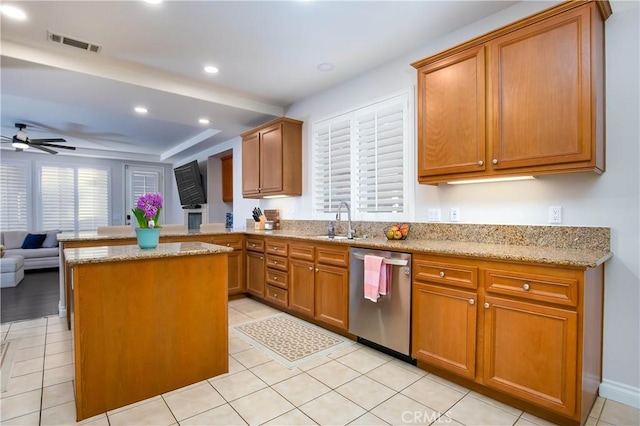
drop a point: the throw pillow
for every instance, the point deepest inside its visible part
(33, 241)
(51, 239)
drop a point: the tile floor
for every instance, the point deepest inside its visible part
(356, 386)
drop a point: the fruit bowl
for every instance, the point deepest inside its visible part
(397, 231)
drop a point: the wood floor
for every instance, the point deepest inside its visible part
(35, 297)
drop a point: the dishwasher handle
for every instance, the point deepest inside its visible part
(394, 262)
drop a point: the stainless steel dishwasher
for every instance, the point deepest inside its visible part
(387, 322)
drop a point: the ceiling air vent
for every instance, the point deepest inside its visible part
(73, 42)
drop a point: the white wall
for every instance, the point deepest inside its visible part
(611, 200)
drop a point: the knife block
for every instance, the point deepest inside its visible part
(259, 226)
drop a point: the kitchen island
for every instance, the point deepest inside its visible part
(145, 322)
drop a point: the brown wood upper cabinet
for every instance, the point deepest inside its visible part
(272, 159)
(526, 99)
(227, 178)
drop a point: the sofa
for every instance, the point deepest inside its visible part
(36, 256)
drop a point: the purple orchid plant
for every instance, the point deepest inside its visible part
(148, 209)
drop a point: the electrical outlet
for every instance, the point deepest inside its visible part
(555, 214)
(454, 213)
(435, 215)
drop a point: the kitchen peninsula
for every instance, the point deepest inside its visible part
(145, 322)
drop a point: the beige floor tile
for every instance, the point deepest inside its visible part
(433, 394)
(59, 336)
(236, 345)
(495, 403)
(394, 376)
(291, 418)
(619, 414)
(58, 347)
(134, 405)
(261, 406)
(56, 328)
(596, 410)
(222, 416)
(21, 368)
(63, 414)
(248, 307)
(4, 327)
(252, 357)
(310, 365)
(58, 360)
(591, 421)
(603, 423)
(22, 325)
(361, 360)
(28, 342)
(273, 372)
(235, 366)
(56, 319)
(31, 419)
(99, 420)
(193, 400)
(263, 313)
(29, 353)
(530, 419)
(344, 351)
(151, 413)
(237, 385)
(400, 410)
(3, 336)
(58, 375)
(410, 367)
(368, 419)
(27, 332)
(332, 409)
(333, 374)
(238, 318)
(22, 384)
(472, 411)
(301, 389)
(57, 394)
(20, 405)
(365, 392)
(448, 383)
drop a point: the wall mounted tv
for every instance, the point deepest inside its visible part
(190, 188)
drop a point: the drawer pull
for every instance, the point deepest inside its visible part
(525, 286)
(275, 294)
(253, 245)
(275, 278)
(317, 269)
(261, 257)
(495, 161)
(310, 268)
(275, 248)
(480, 162)
(228, 245)
(275, 262)
(442, 274)
(472, 302)
(486, 305)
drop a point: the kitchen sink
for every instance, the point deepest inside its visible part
(337, 237)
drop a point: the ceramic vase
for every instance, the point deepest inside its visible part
(148, 238)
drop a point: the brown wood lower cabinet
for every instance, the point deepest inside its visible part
(254, 263)
(302, 287)
(236, 260)
(332, 296)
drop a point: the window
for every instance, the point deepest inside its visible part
(13, 196)
(140, 180)
(363, 157)
(73, 198)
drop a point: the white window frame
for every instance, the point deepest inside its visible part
(26, 167)
(408, 150)
(130, 199)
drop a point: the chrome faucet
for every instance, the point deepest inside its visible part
(350, 231)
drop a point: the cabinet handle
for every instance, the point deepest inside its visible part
(275, 248)
(317, 269)
(525, 287)
(275, 262)
(228, 245)
(480, 162)
(442, 274)
(486, 305)
(275, 278)
(253, 245)
(495, 161)
(261, 257)
(310, 268)
(275, 294)
(472, 302)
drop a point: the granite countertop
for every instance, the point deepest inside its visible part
(99, 254)
(94, 236)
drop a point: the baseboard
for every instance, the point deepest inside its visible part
(620, 392)
(62, 312)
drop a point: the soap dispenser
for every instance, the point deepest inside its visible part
(331, 230)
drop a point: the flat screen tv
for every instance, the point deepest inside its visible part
(190, 188)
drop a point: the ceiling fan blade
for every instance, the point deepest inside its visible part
(39, 141)
(52, 145)
(42, 148)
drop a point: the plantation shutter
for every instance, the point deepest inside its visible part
(143, 182)
(332, 164)
(380, 133)
(13, 196)
(57, 198)
(93, 199)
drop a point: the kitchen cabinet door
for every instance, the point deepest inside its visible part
(227, 178)
(236, 272)
(444, 328)
(271, 159)
(255, 273)
(251, 164)
(332, 295)
(301, 287)
(531, 352)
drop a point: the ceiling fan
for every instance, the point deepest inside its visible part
(21, 141)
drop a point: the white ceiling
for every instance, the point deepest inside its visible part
(153, 55)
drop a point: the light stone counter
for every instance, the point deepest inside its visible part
(74, 256)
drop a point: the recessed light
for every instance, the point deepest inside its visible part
(203, 121)
(141, 110)
(211, 69)
(13, 12)
(325, 66)
(153, 1)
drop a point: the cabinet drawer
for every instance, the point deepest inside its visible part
(277, 262)
(254, 244)
(301, 251)
(278, 247)
(336, 256)
(277, 278)
(544, 288)
(235, 242)
(277, 295)
(445, 273)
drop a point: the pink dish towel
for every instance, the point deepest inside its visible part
(376, 277)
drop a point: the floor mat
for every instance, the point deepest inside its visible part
(290, 341)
